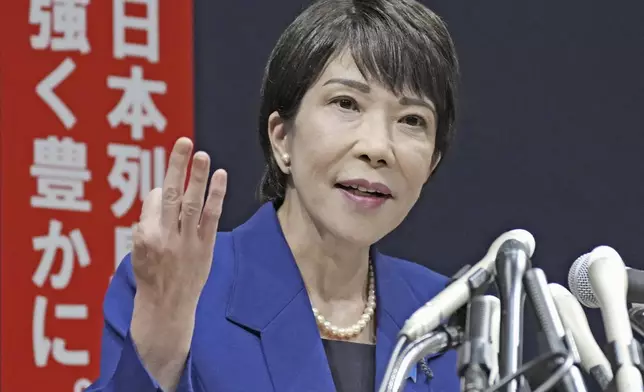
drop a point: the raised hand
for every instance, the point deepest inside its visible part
(172, 254)
(173, 242)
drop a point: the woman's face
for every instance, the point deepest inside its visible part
(359, 154)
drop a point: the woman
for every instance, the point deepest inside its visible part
(357, 111)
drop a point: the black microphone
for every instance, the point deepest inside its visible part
(635, 292)
(536, 287)
(477, 354)
(512, 261)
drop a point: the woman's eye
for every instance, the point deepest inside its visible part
(346, 103)
(414, 121)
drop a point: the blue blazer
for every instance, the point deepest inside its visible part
(254, 328)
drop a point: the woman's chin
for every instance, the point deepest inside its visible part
(355, 229)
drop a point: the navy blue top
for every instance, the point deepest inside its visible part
(353, 365)
(254, 327)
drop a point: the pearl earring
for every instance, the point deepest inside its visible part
(286, 159)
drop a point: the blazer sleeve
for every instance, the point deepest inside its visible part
(121, 367)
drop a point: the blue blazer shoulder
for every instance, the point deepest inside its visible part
(255, 330)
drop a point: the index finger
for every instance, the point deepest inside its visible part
(174, 183)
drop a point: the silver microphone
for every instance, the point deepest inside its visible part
(600, 277)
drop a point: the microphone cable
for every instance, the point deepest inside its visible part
(532, 365)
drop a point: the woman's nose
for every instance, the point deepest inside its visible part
(375, 146)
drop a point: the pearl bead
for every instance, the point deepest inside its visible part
(355, 329)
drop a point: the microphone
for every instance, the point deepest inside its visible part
(512, 260)
(457, 293)
(495, 335)
(593, 360)
(536, 287)
(634, 292)
(602, 273)
(476, 356)
(636, 315)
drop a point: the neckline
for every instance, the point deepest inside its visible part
(334, 341)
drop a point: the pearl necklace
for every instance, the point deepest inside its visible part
(352, 331)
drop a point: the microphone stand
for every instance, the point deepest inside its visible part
(443, 339)
(636, 316)
(633, 354)
(477, 355)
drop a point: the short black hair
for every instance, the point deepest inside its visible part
(398, 43)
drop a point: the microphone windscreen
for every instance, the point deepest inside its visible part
(579, 282)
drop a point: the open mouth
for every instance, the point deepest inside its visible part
(360, 191)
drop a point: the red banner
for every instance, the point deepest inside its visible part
(92, 96)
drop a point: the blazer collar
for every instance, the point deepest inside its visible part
(269, 297)
(266, 276)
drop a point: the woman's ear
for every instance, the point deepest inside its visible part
(278, 135)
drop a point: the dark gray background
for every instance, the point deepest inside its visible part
(549, 137)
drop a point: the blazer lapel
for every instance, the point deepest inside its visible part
(294, 351)
(269, 297)
(396, 302)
